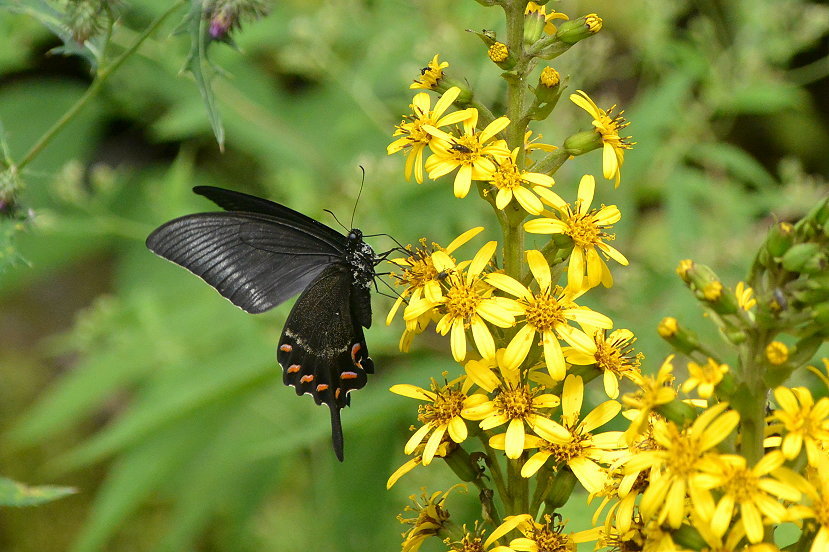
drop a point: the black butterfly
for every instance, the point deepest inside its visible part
(259, 254)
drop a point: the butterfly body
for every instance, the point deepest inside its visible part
(259, 254)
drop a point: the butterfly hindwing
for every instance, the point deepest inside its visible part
(255, 261)
(322, 350)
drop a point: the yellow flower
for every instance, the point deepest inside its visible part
(541, 11)
(587, 229)
(509, 180)
(547, 312)
(466, 303)
(745, 296)
(469, 153)
(419, 274)
(675, 467)
(473, 541)
(490, 373)
(412, 135)
(777, 353)
(581, 451)
(804, 422)
(757, 495)
(608, 126)
(547, 536)
(431, 74)
(613, 355)
(430, 516)
(704, 377)
(654, 391)
(441, 414)
(516, 405)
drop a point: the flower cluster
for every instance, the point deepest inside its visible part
(549, 402)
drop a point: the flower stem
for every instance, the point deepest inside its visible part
(101, 77)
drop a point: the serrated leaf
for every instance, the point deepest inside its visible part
(203, 71)
(13, 493)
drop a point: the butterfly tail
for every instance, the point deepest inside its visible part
(336, 431)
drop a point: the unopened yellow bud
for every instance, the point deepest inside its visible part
(571, 32)
(549, 77)
(668, 327)
(682, 269)
(498, 52)
(777, 353)
(712, 291)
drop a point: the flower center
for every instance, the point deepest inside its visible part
(616, 355)
(584, 231)
(544, 312)
(466, 149)
(447, 405)
(462, 301)
(420, 269)
(473, 544)
(548, 540)
(821, 508)
(507, 177)
(515, 404)
(683, 454)
(742, 485)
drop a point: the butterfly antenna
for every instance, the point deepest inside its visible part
(330, 212)
(362, 182)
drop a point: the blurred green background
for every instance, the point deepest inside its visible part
(128, 378)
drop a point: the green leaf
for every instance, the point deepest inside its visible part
(201, 68)
(13, 493)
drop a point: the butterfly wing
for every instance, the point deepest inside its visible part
(230, 200)
(255, 260)
(323, 350)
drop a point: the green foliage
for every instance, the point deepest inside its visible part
(13, 493)
(140, 372)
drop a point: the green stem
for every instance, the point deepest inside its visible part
(103, 74)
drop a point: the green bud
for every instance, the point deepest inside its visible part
(680, 338)
(561, 488)
(678, 412)
(780, 239)
(573, 31)
(583, 142)
(534, 23)
(820, 314)
(802, 256)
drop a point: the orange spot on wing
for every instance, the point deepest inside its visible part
(286, 347)
(322, 387)
(337, 393)
(349, 375)
(294, 368)
(354, 350)
(308, 378)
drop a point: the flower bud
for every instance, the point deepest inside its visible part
(561, 488)
(583, 142)
(777, 353)
(804, 257)
(86, 18)
(689, 538)
(534, 22)
(500, 54)
(224, 16)
(461, 463)
(780, 239)
(573, 31)
(682, 270)
(680, 338)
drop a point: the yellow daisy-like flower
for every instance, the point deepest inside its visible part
(757, 496)
(704, 377)
(608, 126)
(803, 422)
(412, 136)
(465, 304)
(515, 405)
(745, 296)
(419, 275)
(473, 541)
(470, 153)
(654, 391)
(541, 11)
(430, 516)
(510, 182)
(546, 537)
(439, 416)
(547, 312)
(581, 450)
(614, 356)
(431, 74)
(587, 228)
(682, 456)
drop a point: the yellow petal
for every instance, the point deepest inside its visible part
(413, 392)
(493, 128)
(575, 269)
(514, 444)
(463, 238)
(502, 198)
(508, 284)
(610, 163)
(572, 396)
(432, 445)
(457, 340)
(463, 180)
(588, 473)
(483, 339)
(587, 186)
(509, 524)
(457, 429)
(446, 100)
(480, 260)
(540, 269)
(416, 438)
(545, 226)
(534, 463)
(600, 415)
(518, 348)
(553, 357)
(528, 200)
(403, 470)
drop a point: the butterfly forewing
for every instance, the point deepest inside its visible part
(253, 260)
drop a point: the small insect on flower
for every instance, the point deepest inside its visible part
(412, 136)
(608, 126)
(431, 75)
